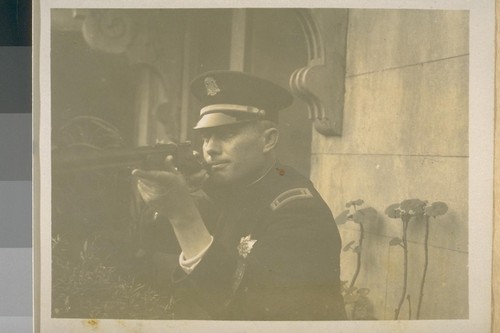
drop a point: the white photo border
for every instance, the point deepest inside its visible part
(481, 125)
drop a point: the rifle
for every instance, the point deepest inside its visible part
(146, 157)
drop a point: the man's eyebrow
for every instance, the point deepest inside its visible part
(222, 129)
(209, 132)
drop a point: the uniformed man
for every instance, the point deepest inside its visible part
(265, 247)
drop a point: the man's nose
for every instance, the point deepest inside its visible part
(211, 146)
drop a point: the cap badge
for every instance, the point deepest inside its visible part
(212, 87)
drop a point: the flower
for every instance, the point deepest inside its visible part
(246, 245)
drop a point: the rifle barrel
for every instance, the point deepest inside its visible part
(66, 161)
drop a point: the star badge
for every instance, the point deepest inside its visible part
(246, 245)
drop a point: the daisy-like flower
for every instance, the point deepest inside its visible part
(246, 245)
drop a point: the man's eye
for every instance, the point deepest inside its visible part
(227, 135)
(206, 136)
(221, 134)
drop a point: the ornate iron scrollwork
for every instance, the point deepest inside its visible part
(108, 31)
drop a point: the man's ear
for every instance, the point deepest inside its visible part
(271, 136)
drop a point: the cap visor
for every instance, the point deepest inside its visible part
(219, 119)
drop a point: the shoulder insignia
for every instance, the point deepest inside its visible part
(291, 195)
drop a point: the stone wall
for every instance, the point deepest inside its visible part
(405, 136)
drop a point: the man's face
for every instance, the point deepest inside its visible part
(234, 153)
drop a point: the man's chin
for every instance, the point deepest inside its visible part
(219, 178)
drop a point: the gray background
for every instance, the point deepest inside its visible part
(15, 167)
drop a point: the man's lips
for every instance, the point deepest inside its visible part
(218, 165)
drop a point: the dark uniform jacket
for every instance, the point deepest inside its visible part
(292, 270)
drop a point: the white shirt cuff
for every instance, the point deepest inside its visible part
(188, 265)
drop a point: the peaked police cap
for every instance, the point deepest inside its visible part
(230, 97)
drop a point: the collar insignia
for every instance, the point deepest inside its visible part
(290, 195)
(212, 87)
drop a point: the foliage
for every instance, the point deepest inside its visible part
(409, 211)
(358, 305)
(88, 288)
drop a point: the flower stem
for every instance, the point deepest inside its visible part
(409, 306)
(405, 278)
(358, 265)
(426, 262)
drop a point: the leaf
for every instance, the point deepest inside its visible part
(413, 206)
(342, 218)
(351, 290)
(369, 213)
(363, 291)
(395, 241)
(406, 217)
(358, 217)
(436, 209)
(350, 299)
(393, 211)
(358, 202)
(348, 246)
(357, 250)
(365, 215)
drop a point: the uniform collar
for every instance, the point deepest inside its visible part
(228, 195)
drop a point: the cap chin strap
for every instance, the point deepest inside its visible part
(233, 108)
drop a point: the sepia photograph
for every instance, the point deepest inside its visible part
(260, 166)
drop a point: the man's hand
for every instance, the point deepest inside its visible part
(168, 193)
(196, 180)
(165, 191)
